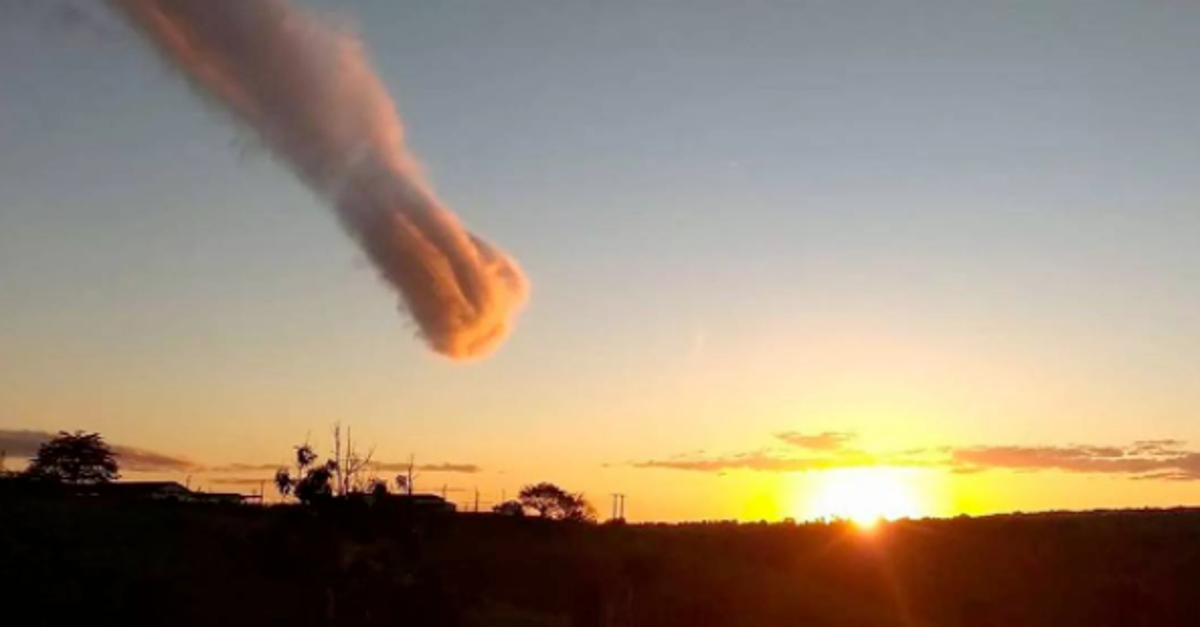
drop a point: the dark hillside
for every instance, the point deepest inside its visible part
(175, 564)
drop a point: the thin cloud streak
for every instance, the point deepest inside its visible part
(1131, 460)
(141, 460)
(24, 443)
(468, 469)
(759, 462)
(240, 467)
(827, 441)
(240, 481)
(1161, 460)
(448, 467)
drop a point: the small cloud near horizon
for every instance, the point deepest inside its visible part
(24, 443)
(1162, 460)
(240, 481)
(1136, 460)
(827, 441)
(762, 461)
(241, 467)
(449, 467)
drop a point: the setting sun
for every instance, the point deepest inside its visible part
(865, 496)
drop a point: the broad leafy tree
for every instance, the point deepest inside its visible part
(553, 502)
(75, 458)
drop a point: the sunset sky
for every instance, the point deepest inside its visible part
(771, 244)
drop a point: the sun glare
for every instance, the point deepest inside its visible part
(865, 496)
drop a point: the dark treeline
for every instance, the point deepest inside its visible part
(355, 564)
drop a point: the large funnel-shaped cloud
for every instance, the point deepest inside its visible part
(309, 91)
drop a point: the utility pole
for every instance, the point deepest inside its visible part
(618, 506)
(344, 470)
(476, 500)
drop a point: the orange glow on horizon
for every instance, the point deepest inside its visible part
(865, 496)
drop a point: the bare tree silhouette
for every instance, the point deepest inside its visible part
(348, 465)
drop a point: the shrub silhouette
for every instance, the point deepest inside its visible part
(510, 508)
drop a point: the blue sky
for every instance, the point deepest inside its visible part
(976, 220)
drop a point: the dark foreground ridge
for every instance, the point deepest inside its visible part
(79, 561)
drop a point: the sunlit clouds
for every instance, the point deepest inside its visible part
(308, 90)
(1161, 459)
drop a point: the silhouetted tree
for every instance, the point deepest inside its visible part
(310, 481)
(551, 501)
(317, 484)
(577, 509)
(75, 458)
(510, 508)
(347, 465)
(341, 475)
(405, 481)
(379, 488)
(285, 480)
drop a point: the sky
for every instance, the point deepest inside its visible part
(766, 240)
